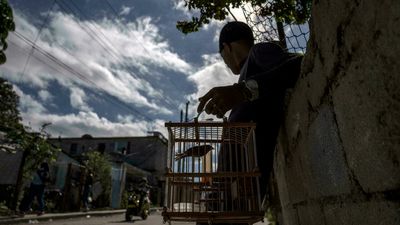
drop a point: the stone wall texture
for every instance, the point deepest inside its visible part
(338, 154)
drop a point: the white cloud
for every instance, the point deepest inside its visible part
(35, 115)
(214, 73)
(180, 5)
(135, 54)
(121, 62)
(45, 95)
(75, 125)
(27, 103)
(125, 119)
(78, 99)
(125, 10)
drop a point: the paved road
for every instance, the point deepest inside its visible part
(117, 219)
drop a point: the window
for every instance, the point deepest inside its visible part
(101, 147)
(73, 148)
(121, 146)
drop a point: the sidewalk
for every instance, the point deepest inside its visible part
(33, 218)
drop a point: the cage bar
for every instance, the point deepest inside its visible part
(212, 173)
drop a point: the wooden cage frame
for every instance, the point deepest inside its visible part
(212, 173)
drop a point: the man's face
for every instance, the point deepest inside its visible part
(227, 56)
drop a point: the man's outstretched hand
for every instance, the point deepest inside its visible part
(219, 100)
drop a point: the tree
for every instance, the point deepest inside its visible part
(288, 11)
(38, 149)
(34, 145)
(15, 133)
(9, 114)
(100, 165)
(10, 120)
(6, 24)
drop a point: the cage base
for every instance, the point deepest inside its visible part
(215, 217)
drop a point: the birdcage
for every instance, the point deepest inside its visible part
(212, 173)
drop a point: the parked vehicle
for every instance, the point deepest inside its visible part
(138, 203)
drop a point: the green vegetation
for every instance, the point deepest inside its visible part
(288, 11)
(100, 165)
(34, 145)
(22, 137)
(9, 114)
(6, 25)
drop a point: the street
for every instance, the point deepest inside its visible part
(117, 219)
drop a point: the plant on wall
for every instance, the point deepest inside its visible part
(288, 11)
(100, 165)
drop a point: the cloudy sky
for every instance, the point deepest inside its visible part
(109, 67)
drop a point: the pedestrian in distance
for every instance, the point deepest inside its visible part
(87, 190)
(36, 189)
(266, 71)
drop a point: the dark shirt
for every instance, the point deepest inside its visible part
(275, 70)
(41, 177)
(89, 181)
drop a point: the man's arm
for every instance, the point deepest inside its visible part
(276, 79)
(219, 100)
(278, 76)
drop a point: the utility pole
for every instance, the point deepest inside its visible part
(19, 182)
(186, 114)
(181, 115)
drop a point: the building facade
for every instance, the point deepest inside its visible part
(132, 158)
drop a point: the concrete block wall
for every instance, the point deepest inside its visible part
(338, 154)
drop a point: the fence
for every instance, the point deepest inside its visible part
(293, 37)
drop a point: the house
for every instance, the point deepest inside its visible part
(132, 157)
(10, 165)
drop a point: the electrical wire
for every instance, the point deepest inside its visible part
(37, 37)
(144, 48)
(77, 74)
(104, 43)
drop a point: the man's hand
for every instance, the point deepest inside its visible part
(219, 100)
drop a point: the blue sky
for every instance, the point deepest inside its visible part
(109, 67)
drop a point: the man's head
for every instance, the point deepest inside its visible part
(235, 40)
(44, 166)
(235, 31)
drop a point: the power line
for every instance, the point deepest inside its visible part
(77, 74)
(144, 48)
(37, 36)
(99, 30)
(41, 60)
(91, 33)
(116, 14)
(103, 43)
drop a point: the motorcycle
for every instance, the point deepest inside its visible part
(138, 204)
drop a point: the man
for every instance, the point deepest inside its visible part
(265, 72)
(36, 189)
(87, 189)
(144, 190)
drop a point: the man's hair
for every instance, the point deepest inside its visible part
(235, 31)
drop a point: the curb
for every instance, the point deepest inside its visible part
(32, 218)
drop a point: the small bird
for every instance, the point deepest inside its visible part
(195, 151)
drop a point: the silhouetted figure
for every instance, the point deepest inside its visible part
(36, 189)
(87, 189)
(266, 71)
